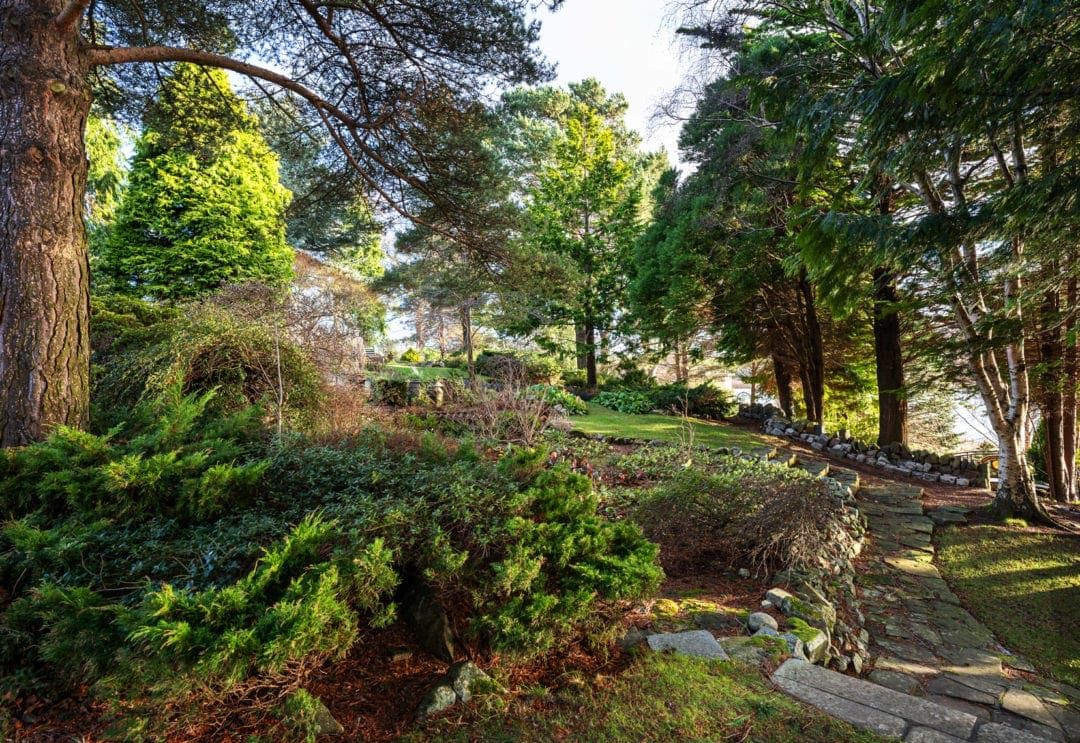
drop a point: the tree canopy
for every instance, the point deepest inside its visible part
(379, 78)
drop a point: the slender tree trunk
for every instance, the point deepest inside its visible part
(590, 355)
(467, 338)
(682, 361)
(889, 361)
(782, 374)
(1050, 383)
(1015, 485)
(579, 347)
(1068, 397)
(442, 335)
(814, 356)
(44, 276)
(421, 326)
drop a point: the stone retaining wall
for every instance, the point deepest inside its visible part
(895, 459)
(822, 594)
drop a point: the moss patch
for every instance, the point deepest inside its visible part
(1024, 586)
(659, 698)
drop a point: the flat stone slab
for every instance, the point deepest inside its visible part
(696, 643)
(857, 714)
(910, 667)
(913, 567)
(1026, 704)
(993, 732)
(900, 682)
(929, 735)
(916, 711)
(950, 688)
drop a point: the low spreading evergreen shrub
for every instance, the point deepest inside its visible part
(519, 367)
(703, 401)
(140, 350)
(190, 558)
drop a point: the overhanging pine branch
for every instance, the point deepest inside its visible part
(131, 55)
(71, 14)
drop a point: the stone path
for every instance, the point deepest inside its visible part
(924, 643)
(887, 712)
(937, 675)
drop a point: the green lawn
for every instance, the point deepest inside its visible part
(425, 373)
(659, 698)
(1024, 586)
(667, 428)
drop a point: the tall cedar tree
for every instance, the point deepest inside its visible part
(361, 70)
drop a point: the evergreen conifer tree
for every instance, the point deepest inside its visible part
(204, 205)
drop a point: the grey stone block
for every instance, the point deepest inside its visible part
(929, 735)
(697, 643)
(760, 619)
(993, 732)
(857, 714)
(900, 682)
(918, 711)
(1027, 705)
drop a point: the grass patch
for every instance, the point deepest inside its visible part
(659, 698)
(674, 429)
(424, 373)
(1024, 586)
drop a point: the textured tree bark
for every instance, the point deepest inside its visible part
(782, 374)
(579, 340)
(590, 354)
(892, 406)
(813, 362)
(1068, 401)
(467, 338)
(44, 280)
(1049, 385)
(1015, 486)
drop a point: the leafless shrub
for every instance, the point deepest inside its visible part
(500, 410)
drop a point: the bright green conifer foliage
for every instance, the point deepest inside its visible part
(204, 204)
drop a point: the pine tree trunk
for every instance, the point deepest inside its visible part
(682, 362)
(1068, 397)
(782, 374)
(44, 276)
(892, 406)
(590, 355)
(579, 346)
(814, 355)
(421, 326)
(466, 338)
(1050, 385)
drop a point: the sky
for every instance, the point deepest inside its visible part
(627, 46)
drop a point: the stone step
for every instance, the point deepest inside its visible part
(888, 712)
(762, 453)
(814, 469)
(786, 457)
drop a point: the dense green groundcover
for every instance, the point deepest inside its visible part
(187, 556)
